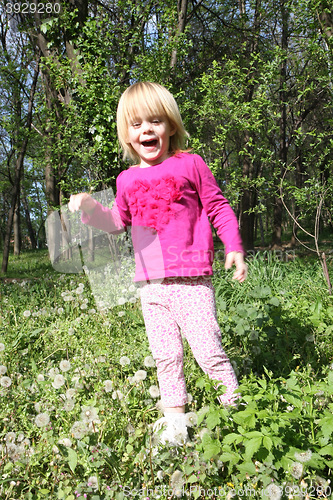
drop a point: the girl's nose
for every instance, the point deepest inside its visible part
(146, 126)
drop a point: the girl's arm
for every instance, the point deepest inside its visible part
(96, 215)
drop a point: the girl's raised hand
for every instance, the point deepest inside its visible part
(82, 201)
(236, 258)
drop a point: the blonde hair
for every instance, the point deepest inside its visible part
(150, 99)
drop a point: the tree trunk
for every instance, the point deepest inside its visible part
(28, 222)
(17, 227)
(182, 9)
(18, 171)
(283, 150)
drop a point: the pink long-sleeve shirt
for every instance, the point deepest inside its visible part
(169, 206)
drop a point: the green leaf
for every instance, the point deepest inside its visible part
(72, 459)
(233, 438)
(213, 419)
(252, 446)
(212, 449)
(267, 443)
(44, 492)
(192, 479)
(247, 468)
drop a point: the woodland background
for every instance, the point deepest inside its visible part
(253, 80)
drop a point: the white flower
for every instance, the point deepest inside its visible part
(70, 393)
(26, 314)
(296, 470)
(117, 395)
(83, 307)
(304, 456)
(89, 414)
(3, 369)
(124, 360)
(42, 419)
(2, 347)
(58, 381)
(40, 377)
(132, 288)
(189, 398)
(5, 381)
(108, 385)
(65, 442)
(149, 362)
(154, 391)
(53, 372)
(121, 301)
(60, 310)
(92, 311)
(160, 475)
(191, 419)
(273, 491)
(65, 365)
(79, 429)
(93, 482)
(69, 404)
(71, 331)
(10, 437)
(177, 481)
(140, 375)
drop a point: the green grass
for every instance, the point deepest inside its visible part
(277, 330)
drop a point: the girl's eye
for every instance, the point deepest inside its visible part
(156, 121)
(136, 124)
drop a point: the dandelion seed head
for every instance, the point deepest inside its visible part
(10, 437)
(191, 419)
(5, 381)
(273, 491)
(70, 393)
(149, 362)
(93, 482)
(79, 429)
(3, 369)
(140, 375)
(69, 404)
(58, 381)
(40, 377)
(296, 470)
(89, 414)
(2, 347)
(121, 313)
(154, 391)
(65, 365)
(65, 442)
(108, 385)
(42, 419)
(124, 360)
(176, 480)
(71, 331)
(26, 313)
(53, 372)
(304, 456)
(117, 395)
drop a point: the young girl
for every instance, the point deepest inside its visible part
(168, 197)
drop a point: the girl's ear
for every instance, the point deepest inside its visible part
(173, 129)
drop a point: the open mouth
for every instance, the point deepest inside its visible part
(149, 143)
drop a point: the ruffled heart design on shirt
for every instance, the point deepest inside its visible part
(152, 203)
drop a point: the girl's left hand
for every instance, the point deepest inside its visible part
(236, 258)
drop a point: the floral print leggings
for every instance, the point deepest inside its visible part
(185, 306)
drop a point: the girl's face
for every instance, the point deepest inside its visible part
(149, 136)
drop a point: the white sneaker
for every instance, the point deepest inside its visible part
(173, 432)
